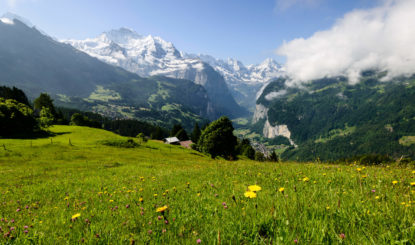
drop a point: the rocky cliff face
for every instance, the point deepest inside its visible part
(260, 113)
(279, 130)
(270, 131)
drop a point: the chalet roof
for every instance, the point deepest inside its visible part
(171, 140)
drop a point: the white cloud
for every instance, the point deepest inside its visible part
(281, 5)
(381, 38)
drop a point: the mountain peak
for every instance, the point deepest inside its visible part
(122, 35)
(8, 18)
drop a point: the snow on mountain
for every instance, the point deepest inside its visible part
(235, 71)
(8, 18)
(150, 55)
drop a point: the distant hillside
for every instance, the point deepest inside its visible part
(331, 119)
(37, 63)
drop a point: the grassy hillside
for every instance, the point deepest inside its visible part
(71, 188)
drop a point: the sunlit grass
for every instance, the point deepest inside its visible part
(74, 189)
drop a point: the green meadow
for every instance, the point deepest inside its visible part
(74, 188)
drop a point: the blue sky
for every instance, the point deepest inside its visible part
(249, 30)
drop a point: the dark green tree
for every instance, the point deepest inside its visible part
(196, 133)
(182, 135)
(175, 129)
(218, 139)
(158, 133)
(45, 118)
(44, 100)
(14, 94)
(273, 157)
(16, 118)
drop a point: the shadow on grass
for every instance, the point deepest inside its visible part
(34, 135)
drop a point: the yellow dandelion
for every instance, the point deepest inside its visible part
(140, 199)
(66, 198)
(403, 203)
(250, 194)
(412, 183)
(161, 209)
(281, 189)
(254, 188)
(394, 182)
(155, 195)
(328, 208)
(306, 179)
(111, 200)
(413, 172)
(198, 194)
(377, 197)
(76, 216)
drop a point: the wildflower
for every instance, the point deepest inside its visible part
(159, 217)
(26, 231)
(155, 195)
(342, 236)
(250, 194)
(198, 194)
(224, 204)
(161, 209)
(412, 183)
(150, 231)
(166, 222)
(281, 189)
(377, 197)
(127, 206)
(306, 179)
(359, 169)
(254, 188)
(373, 190)
(164, 231)
(394, 182)
(18, 210)
(140, 199)
(76, 216)
(111, 201)
(295, 240)
(198, 241)
(328, 208)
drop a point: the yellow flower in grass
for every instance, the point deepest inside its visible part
(306, 179)
(281, 189)
(162, 209)
(250, 194)
(394, 182)
(412, 183)
(254, 188)
(76, 216)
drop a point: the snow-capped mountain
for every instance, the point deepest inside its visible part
(150, 55)
(144, 55)
(234, 71)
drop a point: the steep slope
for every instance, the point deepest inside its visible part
(37, 63)
(244, 81)
(149, 56)
(331, 119)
